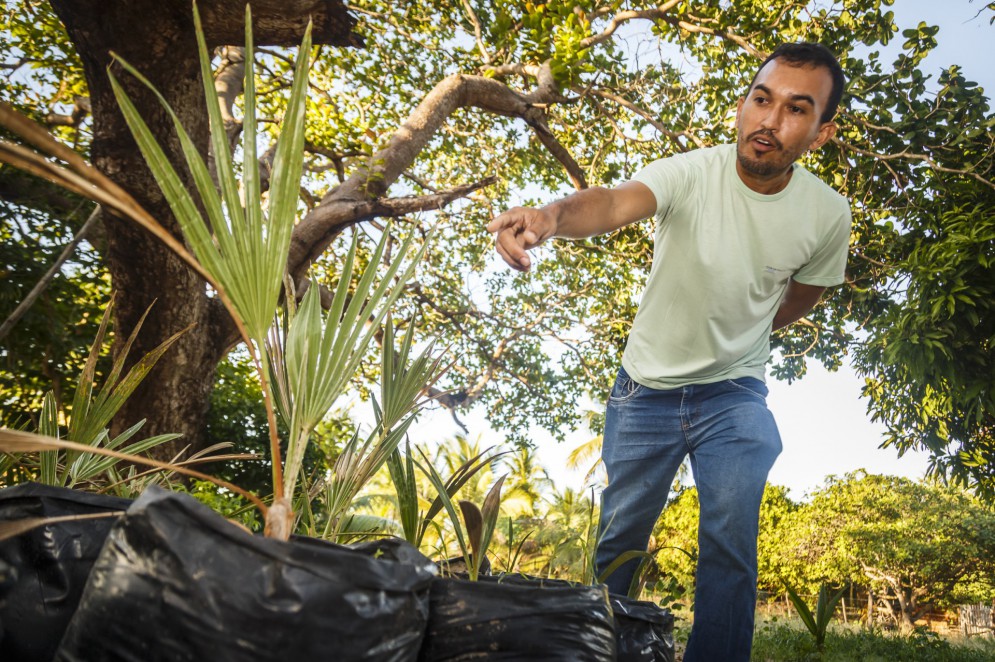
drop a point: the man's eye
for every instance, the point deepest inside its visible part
(796, 110)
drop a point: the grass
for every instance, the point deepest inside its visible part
(789, 641)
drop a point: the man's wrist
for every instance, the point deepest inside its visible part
(553, 211)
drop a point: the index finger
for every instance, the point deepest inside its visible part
(505, 220)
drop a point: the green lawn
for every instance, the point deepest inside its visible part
(788, 641)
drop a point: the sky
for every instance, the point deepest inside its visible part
(824, 425)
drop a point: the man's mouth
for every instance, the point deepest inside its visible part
(764, 143)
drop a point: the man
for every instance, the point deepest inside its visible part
(746, 243)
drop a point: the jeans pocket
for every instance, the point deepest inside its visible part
(750, 385)
(625, 389)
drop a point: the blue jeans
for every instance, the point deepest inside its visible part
(732, 441)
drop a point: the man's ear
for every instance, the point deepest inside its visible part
(826, 131)
(739, 108)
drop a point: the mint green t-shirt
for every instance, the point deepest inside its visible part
(722, 260)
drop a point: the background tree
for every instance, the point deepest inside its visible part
(914, 545)
(505, 102)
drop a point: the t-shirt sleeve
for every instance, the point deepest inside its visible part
(828, 263)
(668, 179)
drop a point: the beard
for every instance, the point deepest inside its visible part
(772, 163)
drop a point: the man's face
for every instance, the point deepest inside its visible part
(779, 120)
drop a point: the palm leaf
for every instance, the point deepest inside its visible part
(48, 424)
(402, 477)
(97, 412)
(803, 610)
(445, 501)
(489, 511)
(243, 251)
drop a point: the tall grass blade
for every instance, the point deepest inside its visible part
(17, 441)
(13, 528)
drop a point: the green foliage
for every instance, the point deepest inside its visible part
(49, 76)
(91, 410)
(357, 462)
(474, 533)
(930, 363)
(231, 506)
(559, 540)
(315, 355)
(480, 523)
(47, 348)
(237, 416)
(775, 508)
(243, 249)
(675, 537)
(414, 520)
(636, 585)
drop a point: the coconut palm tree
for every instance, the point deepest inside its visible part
(527, 482)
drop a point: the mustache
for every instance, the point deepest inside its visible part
(766, 133)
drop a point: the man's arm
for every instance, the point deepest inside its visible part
(583, 214)
(798, 300)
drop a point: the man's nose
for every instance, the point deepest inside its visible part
(771, 120)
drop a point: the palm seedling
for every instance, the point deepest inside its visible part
(818, 622)
(474, 534)
(415, 522)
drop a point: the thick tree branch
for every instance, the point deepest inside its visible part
(416, 203)
(357, 199)
(228, 82)
(279, 22)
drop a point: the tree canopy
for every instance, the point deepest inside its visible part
(442, 117)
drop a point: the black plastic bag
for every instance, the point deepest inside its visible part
(43, 571)
(644, 631)
(176, 581)
(505, 617)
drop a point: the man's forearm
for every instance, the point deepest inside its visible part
(582, 214)
(798, 300)
(598, 210)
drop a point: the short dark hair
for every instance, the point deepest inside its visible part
(815, 55)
